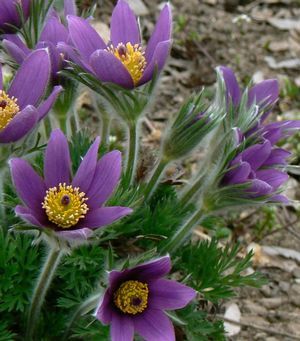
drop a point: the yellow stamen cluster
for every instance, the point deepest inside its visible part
(65, 205)
(132, 57)
(132, 297)
(8, 109)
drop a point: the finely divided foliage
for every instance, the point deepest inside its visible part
(87, 232)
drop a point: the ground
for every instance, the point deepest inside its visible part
(259, 39)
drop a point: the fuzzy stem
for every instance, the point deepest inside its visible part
(132, 153)
(105, 127)
(190, 193)
(154, 180)
(84, 308)
(40, 290)
(180, 236)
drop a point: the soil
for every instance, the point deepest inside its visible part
(244, 35)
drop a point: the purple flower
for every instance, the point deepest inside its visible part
(20, 108)
(123, 60)
(136, 299)
(72, 207)
(53, 34)
(263, 94)
(258, 166)
(9, 14)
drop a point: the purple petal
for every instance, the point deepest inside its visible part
(169, 295)
(20, 125)
(29, 185)
(232, 86)
(154, 325)
(76, 235)
(86, 170)
(278, 156)
(121, 328)
(279, 130)
(107, 175)
(45, 106)
(55, 56)
(57, 165)
(256, 155)
(158, 60)
(162, 31)
(32, 78)
(259, 188)
(14, 38)
(109, 68)
(265, 93)
(26, 7)
(123, 26)
(104, 216)
(238, 174)
(54, 31)
(84, 37)
(273, 177)
(280, 198)
(104, 310)
(30, 216)
(70, 8)
(14, 51)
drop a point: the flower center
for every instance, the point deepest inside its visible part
(132, 57)
(65, 205)
(8, 109)
(132, 297)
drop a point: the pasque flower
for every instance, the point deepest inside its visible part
(136, 299)
(260, 166)
(20, 107)
(53, 33)
(9, 14)
(122, 61)
(72, 207)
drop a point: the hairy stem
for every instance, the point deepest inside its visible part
(132, 153)
(40, 290)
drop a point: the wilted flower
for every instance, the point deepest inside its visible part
(9, 13)
(53, 33)
(20, 110)
(259, 166)
(136, 299)
(122, 61)
(70, 207)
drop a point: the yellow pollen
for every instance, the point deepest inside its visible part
(132, 297)
(8, 109)
(132, 57)
(65, 205)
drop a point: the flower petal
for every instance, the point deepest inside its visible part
(256, 155)
(259, 188)
(162, 31)
(123, 26)
(54, 31)
(70, 8)
(45, 106)
(121, 328)
(273, 177)
(14, 51)
(57, 165)
(104, 310)
(110, 69)
(169, 295)
(280, 198)
(86, 170)
(32, 78)
(154, 325)
(104, 216)
(14, 38)
(107, 175)
(158, 61)
(29, 185)
(76, 235)
(84, 37)
(238, 174)
(264, 93)
(20, 125)
(232, 86)
(30, 216)
(278, 156)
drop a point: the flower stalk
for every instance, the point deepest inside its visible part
(133, 137)
(43, 283)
